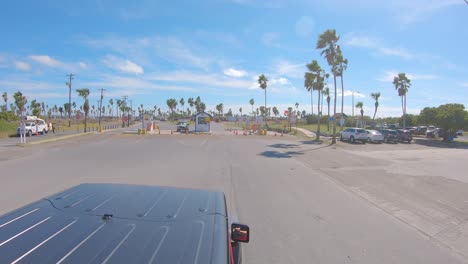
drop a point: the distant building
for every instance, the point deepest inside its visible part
(202, 122)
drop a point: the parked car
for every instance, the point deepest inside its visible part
(182, 127)
(374, 136)
(158, 225)
(29, 129)
(460, 132)
(440, 132)
(389, 135)
(404, 135)
(353, 135)
(420, 130)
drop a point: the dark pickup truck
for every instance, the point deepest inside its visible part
(113, 223)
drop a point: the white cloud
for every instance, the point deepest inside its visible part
(350, 93)
(398, 52)
(23, 66)
(271, 39)
(389, 75)
(304, 26)
(360, 41)
(122, 65)
(412, 11)
(147, 49)
(213, 80)
(133, 84)
(83, 65)
(235, 73)
(45, 60)
(282, 81)
(465, 84)
(288, 69)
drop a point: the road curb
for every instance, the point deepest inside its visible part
(54, 139)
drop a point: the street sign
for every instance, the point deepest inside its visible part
(286, 112)
(78, 115)
(293, 119)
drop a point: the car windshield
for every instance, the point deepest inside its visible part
(285, 111)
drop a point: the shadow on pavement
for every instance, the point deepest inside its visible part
(440, 144)
(279, 155)
(311, 142)
(280, 145)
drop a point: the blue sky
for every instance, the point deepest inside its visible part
(155, 50)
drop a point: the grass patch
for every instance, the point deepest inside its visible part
(8, 129)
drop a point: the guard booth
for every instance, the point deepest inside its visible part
(202, 122)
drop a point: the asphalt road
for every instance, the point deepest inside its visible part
(305, 203)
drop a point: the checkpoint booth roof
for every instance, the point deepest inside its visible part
(202, 122)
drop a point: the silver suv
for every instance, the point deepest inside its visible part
(353, 135)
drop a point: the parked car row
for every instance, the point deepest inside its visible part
(376, 136)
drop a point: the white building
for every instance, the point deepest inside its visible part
(202, 122)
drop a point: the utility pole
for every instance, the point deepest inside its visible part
(100, 106)
(69, 83)
(352, 106)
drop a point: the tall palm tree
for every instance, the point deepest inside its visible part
(182, 103)
(376, 97)
(5, 99)
(360, 105)
(309, 85)
(326, 92)
(327, 43)
(240, 110)
(341, 67)
(84, 93)
(252, 102)
(402, 84)
(191, 102)
(317, 83)
(111, 102)
(296, 105)
(263, 83)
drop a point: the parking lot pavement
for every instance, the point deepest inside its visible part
(425, 187)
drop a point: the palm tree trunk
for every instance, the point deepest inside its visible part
(334, 111)
(404, 114)
(403, 110)
(311, 103)
(265, 111)
(318, 121)
(85, 121)
(375, 112)
(342, 99)
(328, 128)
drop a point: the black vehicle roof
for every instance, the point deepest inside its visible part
(112, 223)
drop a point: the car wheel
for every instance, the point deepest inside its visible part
(363, 141)
(44, 132)
(341, 138)
(352, 139)
(29, 133)
(369, 140)
(386, 140)
(409, 141)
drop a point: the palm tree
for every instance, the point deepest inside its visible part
(360, 105)
(327, 43)
(341, 67)
(308, 84)
(5, 99)
(74, 106)
(111, 102)
(118, 103)
(402, 84)
(317, 76)
(191, 103)
(182, 102)
(326, 92)
(252, 102)
(297, 105)
(263, 83)
(240, 110)
(275, 111)
(376, 97)
(60, 109)
(84, 93)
